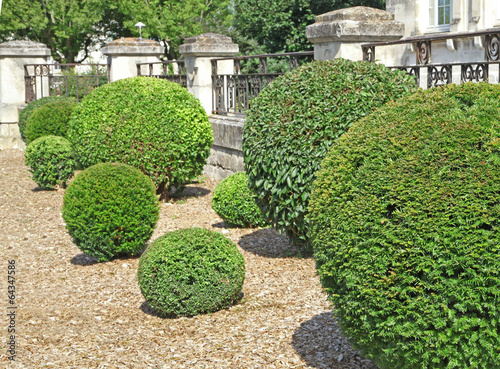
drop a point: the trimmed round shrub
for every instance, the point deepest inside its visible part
(152, 124)
(235, 203)
(190, 272)
(296, 119)
(50, 119)
(30, 108)
(110, 210)
(51, 161)
(405, 224)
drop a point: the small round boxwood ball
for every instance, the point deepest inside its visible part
(30, 108)
(295, 120)
(190, 272)
(405, 224)
(51, 161)
(50, 119)
(235, 203)
(110, 210)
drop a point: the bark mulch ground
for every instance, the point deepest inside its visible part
(75, 313)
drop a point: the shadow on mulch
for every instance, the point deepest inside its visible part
(146, 309)
(320, 344)
(189, 192)
(83, 260)
(269, 243)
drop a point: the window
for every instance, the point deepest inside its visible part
(440, 14)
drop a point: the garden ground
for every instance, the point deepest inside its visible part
(76, 313)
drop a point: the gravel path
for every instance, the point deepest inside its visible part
(75, 313)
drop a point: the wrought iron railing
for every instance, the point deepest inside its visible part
(233, 92)
(172, 70)
(438, 74)
(69, 80)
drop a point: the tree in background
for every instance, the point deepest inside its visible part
(280, 25)
(70, 26)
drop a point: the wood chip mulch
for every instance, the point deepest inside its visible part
(75, 313)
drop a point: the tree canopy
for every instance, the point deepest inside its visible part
(70, 26)
(280, 25)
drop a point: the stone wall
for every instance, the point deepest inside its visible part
(226, 156)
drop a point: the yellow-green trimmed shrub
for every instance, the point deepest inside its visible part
(51, 161)
(405, 224)
(49, 119)
(296, 119)
(190, 272)
(30, 108)
(110, 210)
(154, 125)
(235, 203)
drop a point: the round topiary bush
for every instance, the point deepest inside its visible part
(51, 161)
(30, 108)
(50, 119)
(296, 119)
(405, 224)
(236, 204)
(110, 210)
(154, 125)
(191, 271)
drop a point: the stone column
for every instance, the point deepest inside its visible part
(197, 52)
(340, 34)
(124, 54)
(13, 56)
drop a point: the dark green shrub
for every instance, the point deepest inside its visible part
(110, 210)
(405, 224)
(50, 119)
(154, 125)
(30, 108)
(235, 203)
(295, 120)
(191, 271)
(51, 161)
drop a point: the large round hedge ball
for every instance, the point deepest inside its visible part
(190, 272)
(51, 161)
(30, 108)
(49, 119)
(295, 120)
(152, 124)
(110, 210)
(235, 203)
(405, 224)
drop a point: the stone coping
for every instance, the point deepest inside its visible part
(22, 48)
(358, 24)
(128, 46)
(209, 44)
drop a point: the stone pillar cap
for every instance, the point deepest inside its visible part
(209, 44)
(133, 46)
(22, 48)
(357, 24)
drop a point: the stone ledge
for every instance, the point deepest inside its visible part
(209, 44)
(227, 131)
(24, 49)
(358, 24)
(133, 46)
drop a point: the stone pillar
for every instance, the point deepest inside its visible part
(124, 54)
(197, 52)
(13, 56)
(340, 34)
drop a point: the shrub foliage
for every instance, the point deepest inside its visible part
(295, 120)
(152, 124)
(51, 161)
(30, 108)
(110, 210)
(191, 271)
(49, 119)
(405, 226)
(235, 203)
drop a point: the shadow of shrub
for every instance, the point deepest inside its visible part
(269, 243)
(320, 344)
